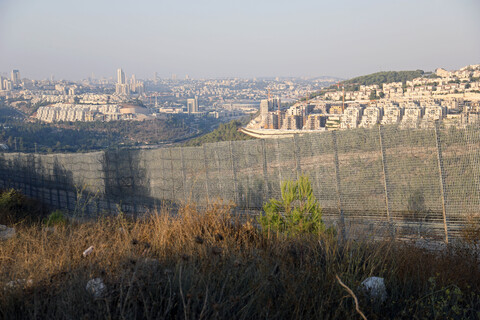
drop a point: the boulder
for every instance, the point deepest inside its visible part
(374, 288)
(19, 283)
(96, 288)
(6, 232)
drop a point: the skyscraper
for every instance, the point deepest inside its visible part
(15, 77)
(192, 105)
(120, 77)
(121, 87)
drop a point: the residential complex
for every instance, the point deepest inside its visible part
(452, 97)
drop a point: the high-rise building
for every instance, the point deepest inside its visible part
(15, 77)
(7, 85)
(269, 105)
(120, 76)
(192, 105)
(133, 83)
(121, 87)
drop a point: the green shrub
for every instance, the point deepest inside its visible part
(17, 208)
(11, 199)
(56, 218)
(11, 206)
(298, 212)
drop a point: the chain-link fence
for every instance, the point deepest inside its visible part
(423, 182)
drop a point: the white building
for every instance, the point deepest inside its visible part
(371, 117)
(192, 105)
(391, 114)
(412, 117)
(351, 117)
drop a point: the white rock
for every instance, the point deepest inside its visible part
(11, 285)
(88, 251)
(6, 232)
(374, 288)
(96, 287)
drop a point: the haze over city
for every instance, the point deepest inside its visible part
(203, 39)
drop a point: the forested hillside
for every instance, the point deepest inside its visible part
(384, 77)
(224, 132)
(89, 136)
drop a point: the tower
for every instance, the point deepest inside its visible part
(192, 105)
(120, 76)
(15, 77)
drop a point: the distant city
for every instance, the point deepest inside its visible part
(280, 105)
(128, 98)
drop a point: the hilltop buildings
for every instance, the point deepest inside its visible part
(448, 96)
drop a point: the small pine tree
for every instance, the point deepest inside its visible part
(297, 213)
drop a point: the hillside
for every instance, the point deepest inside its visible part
(382, 77)
(87, 136)
(377, 78)
(224, 132)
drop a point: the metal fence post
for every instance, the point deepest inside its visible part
(206, 172)
(184, 176)
(234, 171)
(338, 186)
(171, 173)
(163, 175)
(296, 154)
(277, 153)
(59, 200)
(385, 176)
(67, 194)
(132, 175)
(265, 171)
(441, 174)
(474, 163)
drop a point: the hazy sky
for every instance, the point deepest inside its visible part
(241, 38)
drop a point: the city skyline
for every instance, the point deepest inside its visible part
(217, 39)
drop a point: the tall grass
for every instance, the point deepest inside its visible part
(210, 264)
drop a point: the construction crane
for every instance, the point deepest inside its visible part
(343, 95)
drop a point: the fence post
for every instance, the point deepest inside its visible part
(265, 170)
(59, 200)
(277, 153)
(296, 154)
(3, 161)
(133, 196)
(474, 163)
(385, 176)
(42, 183)
(441, 174)
(339, 190)
(184, 175)
(206, 172)
(171, 173)
(162, 158)
(234, 171)
(67, 195)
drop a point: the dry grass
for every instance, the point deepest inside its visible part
(211, 265)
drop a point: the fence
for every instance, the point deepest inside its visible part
(423, 182)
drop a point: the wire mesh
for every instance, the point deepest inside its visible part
(418, 180)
